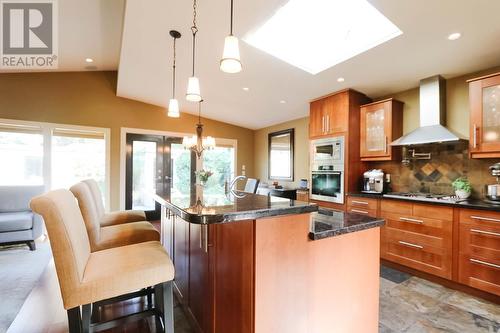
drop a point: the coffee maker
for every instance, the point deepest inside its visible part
(493, 190)
(373, 181)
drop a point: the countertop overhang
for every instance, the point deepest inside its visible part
(199, 208)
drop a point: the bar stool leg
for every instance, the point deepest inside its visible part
(74, 320)
(86, 318)
(168, 307)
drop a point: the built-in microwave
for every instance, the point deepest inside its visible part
(327, 169)
(328, 150)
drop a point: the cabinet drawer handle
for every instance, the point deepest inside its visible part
(484, 263)
(385, 144)
(359, 202)
(485, 232)
(407, 219)
(359, 211)
(411, 245)
(484, 218)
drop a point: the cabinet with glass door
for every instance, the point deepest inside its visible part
(381, 123)
(484, 99)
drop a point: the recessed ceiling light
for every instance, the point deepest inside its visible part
(340, 79)
(454, 36)
(282, 102)
(316, 35)
(246, 89)
(89, 60)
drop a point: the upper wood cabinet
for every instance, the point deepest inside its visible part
(381, 123)
(329, 115)
(484, 99)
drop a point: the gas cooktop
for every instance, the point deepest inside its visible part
(424, 197)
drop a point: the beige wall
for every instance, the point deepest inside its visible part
(89, 99)
(457, 101)
(301, 153)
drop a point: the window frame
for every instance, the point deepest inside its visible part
(47, 129)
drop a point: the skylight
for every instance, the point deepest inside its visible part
(317, 34)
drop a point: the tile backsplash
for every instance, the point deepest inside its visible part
(447, 163)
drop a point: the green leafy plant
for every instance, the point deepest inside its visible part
(462, 184)
(203, 175)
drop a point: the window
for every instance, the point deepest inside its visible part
(21, 156)
(144, 177)
(53, 155)
(76, 156)
(221, 161)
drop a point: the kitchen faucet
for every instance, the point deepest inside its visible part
(234, 181)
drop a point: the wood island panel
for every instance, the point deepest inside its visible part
(301, 285)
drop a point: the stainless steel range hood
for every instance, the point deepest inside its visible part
(432, 116)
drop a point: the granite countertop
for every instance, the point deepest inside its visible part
(329, 223)
(208, 205)
(470, 203)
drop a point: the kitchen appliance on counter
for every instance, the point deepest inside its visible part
(373, 181)
(327, 169)
(493, 190)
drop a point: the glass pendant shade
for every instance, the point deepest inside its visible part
(230, 62)
(193, 91)
(173, 108)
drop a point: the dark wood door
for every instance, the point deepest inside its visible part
(148, 170)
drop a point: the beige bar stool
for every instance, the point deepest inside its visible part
(113, 218)
(102, 238)
(89, 278)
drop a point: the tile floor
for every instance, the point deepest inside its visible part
(412, 305)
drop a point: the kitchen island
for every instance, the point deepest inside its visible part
(253, 263)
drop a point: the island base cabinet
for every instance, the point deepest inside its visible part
(328, 285)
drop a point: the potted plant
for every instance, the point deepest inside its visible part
(462, 188)
(203, 176)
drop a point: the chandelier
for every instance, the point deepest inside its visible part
(197, 143)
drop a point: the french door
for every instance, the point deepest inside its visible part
(149, 170)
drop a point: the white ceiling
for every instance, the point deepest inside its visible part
(89, 29)
(423, 50)
(93, 28)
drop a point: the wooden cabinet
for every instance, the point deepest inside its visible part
(484, 99)
(316, 119)
(329, 115)
(418, 236)
(181, 257)
(303, 195)
(380, 124)
(361, 205)
(479, 250)
(213, 272)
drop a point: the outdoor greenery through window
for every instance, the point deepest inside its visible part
(220, 161)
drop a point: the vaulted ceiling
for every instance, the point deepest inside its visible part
(133, 37)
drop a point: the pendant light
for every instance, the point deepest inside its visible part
(173, 105)
(197, 143)
(230, 62)
(193, 90)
